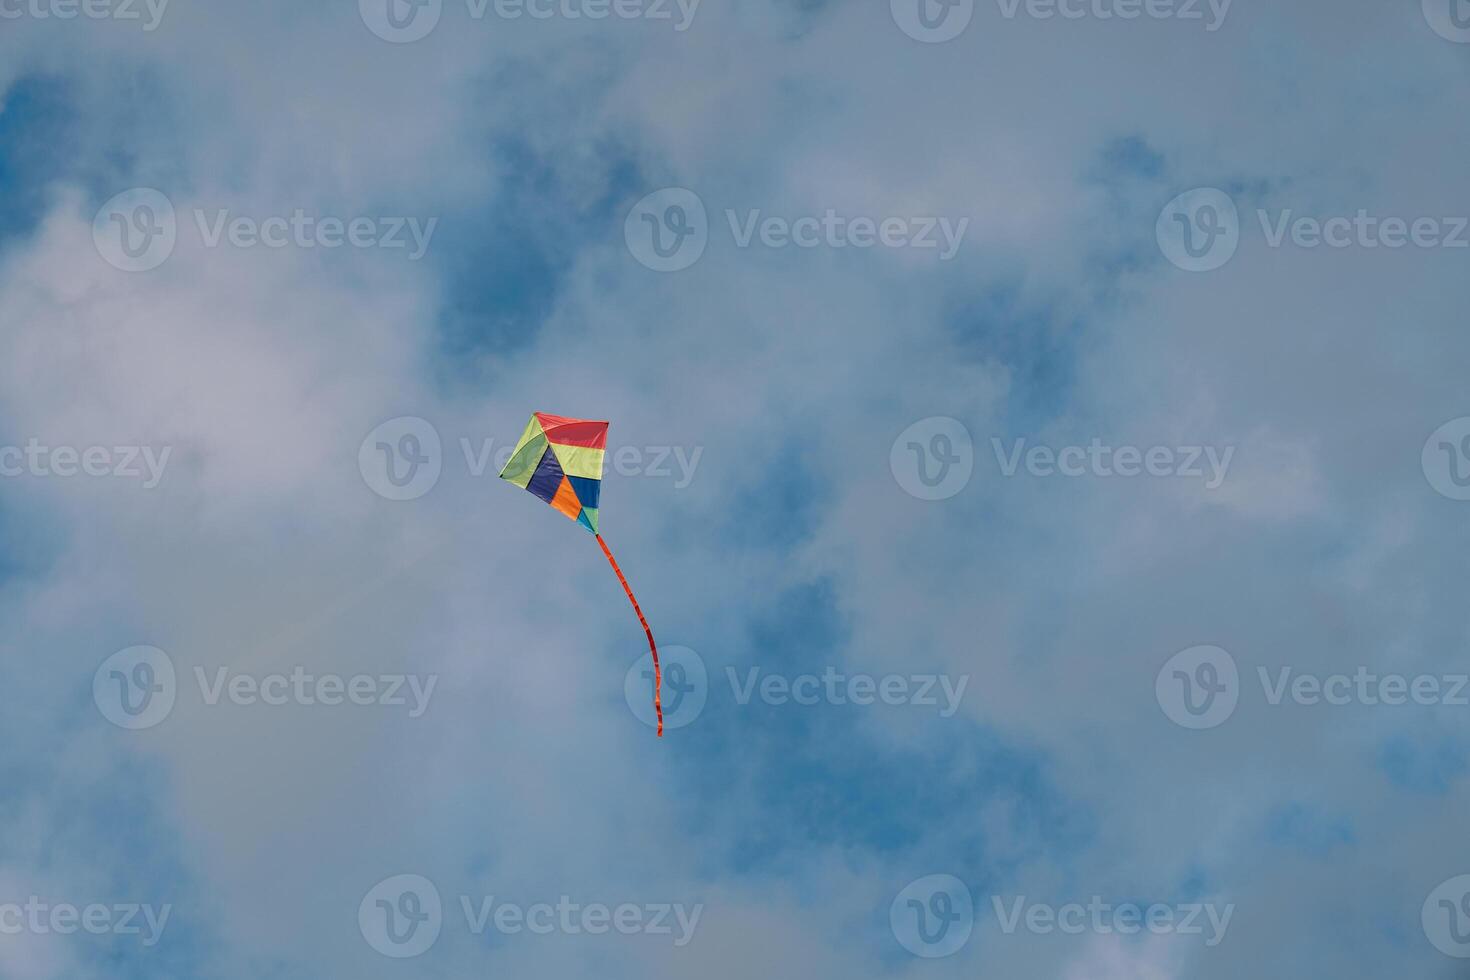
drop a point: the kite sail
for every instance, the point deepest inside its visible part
(560, 460)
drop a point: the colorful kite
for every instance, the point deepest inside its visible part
(560, 460)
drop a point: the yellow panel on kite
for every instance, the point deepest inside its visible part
(583, 461)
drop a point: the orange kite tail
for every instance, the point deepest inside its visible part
(658, 677)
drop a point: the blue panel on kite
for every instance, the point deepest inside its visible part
(547, 478)
(587, 490)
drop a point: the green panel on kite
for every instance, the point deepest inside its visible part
(522, 466)
(532, 430)
(527, 455)
(588, 519)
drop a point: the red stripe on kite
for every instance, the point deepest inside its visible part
(573, 432)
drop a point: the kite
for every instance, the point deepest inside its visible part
(560, 460)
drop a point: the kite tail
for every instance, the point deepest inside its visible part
(658, 677)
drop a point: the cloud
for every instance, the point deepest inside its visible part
(793, 547)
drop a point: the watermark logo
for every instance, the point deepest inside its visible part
(1446, 917)
(119, 10)
(1446, 459)
(933, 916)
(1449, 18)
(1099, 460)
(685, 687)
(837, 688)
(301, 687)
(135, 688)
(136, 231)
(836, 231)
(405, 21)
(401, 917)
(35, 459)
(1199, 687)
(1362, 230)
(667, 230)
(42, 918)
(400, 21)
(933, 458)
(1211, 12)
(1199, 230)
(932, 21)
(650, 10)
(402, 458)
(1104, 918)
(308, 231)
(1364, 687)
(572, 918)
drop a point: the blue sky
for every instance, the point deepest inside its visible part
(765, 391)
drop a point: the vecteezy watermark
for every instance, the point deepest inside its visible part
(411, 691)
(933, 916)
(138, 229)
(1211, 13)
(147, 12)
(686, 688)
(1102, 917)
(1098, 460)
(669, 230)
(35, 459)
(933, 458)
(39, 917)
(1200, 688)
(1362, 230)
(403, 458)
(1446, 917)
(137, 688)
(1200, 230)
(932, 21)
(1363, 686)
(837, 688)
(1450, 19)
(1446, 459)
(403, 916)
(936, 21)
(833, 230)
(405, 21)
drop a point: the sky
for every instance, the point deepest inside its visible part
(1039, 443)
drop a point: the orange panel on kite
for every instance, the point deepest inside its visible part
(566, 500)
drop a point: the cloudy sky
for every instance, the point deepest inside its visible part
(1040, 444)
